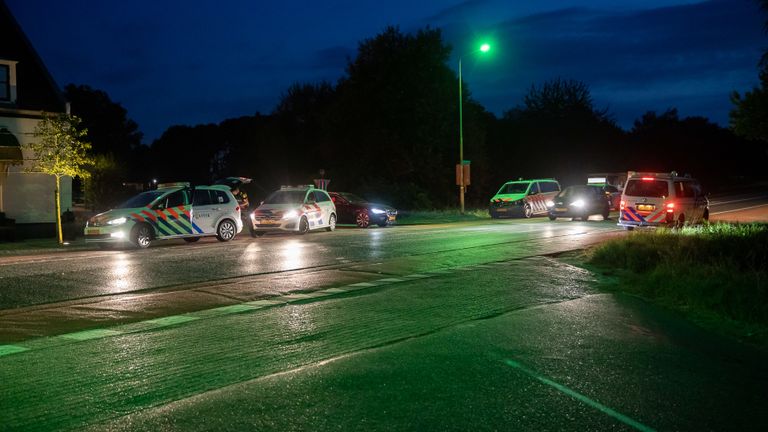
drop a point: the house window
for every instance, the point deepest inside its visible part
(5, 83)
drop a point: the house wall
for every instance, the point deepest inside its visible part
(30, 197)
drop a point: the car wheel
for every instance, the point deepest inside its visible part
(191, 239)
(303, 226)
(552, 217)
(527, 211)
(226, 230)
(362, 219)
(383, 223)
(141, 236)
(331, 223)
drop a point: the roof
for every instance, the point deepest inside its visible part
(35, 88)
(531, 180)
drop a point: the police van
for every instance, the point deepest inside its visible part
(661, 199)
(173, 210)
(294, 208)
(524, 198)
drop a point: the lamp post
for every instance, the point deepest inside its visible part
(483, 48)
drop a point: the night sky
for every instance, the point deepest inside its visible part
(180, 62)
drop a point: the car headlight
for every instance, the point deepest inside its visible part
(118, 221)
(550, 203)
(377, 211)
(578, 203)
(291, 214)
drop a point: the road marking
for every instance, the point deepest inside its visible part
(714, 203)
(11, 349)
(580, 397)
(155, 323)
(745, 208)
(91, 334)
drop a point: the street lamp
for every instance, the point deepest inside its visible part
(484, 48)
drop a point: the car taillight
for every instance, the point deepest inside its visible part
(237, 208)
(621, 205)
(670, 207)
(648, 179)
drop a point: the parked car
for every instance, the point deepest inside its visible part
(524, 198)
(353, 209)
(581, 201)
(174, 210)
(298, 209)
(654, 199)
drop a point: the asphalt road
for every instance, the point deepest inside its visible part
(452, 327)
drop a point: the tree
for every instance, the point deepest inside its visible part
(749, 117)
(60, 150)
(558, 118)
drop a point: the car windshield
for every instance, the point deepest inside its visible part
(514, 188)
(142, 200)
(647, 188)
(286, 197)
(575, 191)
(352, 198)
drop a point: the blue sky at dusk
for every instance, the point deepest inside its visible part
(189, 62)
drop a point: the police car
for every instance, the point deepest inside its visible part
(661, 199)
(298, 209)
(174, 210)
(523, 198)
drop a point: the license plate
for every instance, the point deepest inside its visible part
(560, 209)
(646, 207)
(391, 218)
(92, 231)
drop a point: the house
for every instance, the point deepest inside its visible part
(26, 90)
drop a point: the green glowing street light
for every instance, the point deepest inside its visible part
(484, 48)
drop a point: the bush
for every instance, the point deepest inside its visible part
(716, 268)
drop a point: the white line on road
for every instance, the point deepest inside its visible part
(580, 397)
(739, 209)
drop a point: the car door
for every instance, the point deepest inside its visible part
(205, 210)
(344, 211)
(173, 214)
(534, 198)
(684, 200)
(326, 206)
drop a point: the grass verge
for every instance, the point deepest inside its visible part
(716, 274)
(440, 216)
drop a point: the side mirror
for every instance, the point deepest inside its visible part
(532, 193)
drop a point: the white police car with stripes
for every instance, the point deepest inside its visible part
(174, 210)
(298, 209)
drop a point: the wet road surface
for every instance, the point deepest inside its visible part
(456, 327)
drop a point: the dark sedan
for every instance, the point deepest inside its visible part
(580, 201)
(352, 209)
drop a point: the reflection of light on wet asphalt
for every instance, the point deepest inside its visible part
(298, 319)
(292, 254)
(375, 243)
(121, 278)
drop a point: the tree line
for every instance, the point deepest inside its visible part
(388, 130)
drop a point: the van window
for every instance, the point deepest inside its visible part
(514, 188)
(321, 196)
(221, 197)
(683, 189)
(176, 199)
(548, 187)
(534, 188)
(647, 188)
(201, 197)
